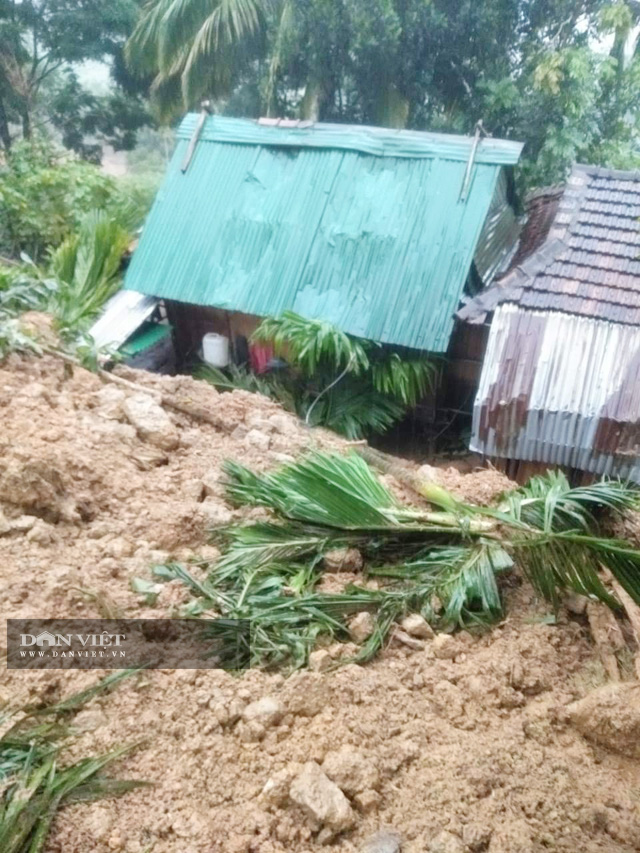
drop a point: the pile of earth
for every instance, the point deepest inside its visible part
(502, 742)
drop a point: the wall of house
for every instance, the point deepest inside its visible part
(191, 323)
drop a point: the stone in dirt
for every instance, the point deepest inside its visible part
(407, 640)
(320, 660)
(446, 842)
(276, 789)
(351, 770)
(151, 421)
(267, 711)
(343, 560)
(321, 799)
(383, 841)
(610, 717)
(417, 626)
(362, 626)
(443, 647)
(367, 801)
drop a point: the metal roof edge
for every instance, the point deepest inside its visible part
(375, 141)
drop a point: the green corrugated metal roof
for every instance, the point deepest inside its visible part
(359, 226)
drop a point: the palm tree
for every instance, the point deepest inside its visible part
(195, 48)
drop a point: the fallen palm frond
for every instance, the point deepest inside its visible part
(443, 563)
(35, 781)
(340, 492)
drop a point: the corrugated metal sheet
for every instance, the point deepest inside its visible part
(125, 312)
(499, 237)
(560, 389)
(376, 141)
(271, 218)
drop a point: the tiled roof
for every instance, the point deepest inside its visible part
(589, 264)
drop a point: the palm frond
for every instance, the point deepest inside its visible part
(309, 343)
(549, 503)
(353, 410)
(36, 780)
(87, 266)
(258, 545)
(406, 379)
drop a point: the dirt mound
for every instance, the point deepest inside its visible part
(464, 745)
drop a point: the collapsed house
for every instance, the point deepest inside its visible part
(376, 231)
(560, 382)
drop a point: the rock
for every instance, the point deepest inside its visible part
(448, 699)
(284, 424)
(406, 640)
(215, 514)
(119, 548)
(41, 533)
(258, 439)
(211, 483)
(350, 769)
(320, 660)
(5, 527)
(417, 626)
(306, 694)
(151, 421)
(362, 626)
(446, 842)
(476, 835)
(444, 646)
(343, 560)
(367, 801)
(383, 841)
(610, 717)
(266, 711)
(109, 402)
(146, 458)
(276, 789)
(321, 799)
(576, 604)
(22, 524)
(89, 720)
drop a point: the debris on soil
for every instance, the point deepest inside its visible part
(610, 717)
(496, 738)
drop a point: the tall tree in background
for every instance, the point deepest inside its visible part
(195, 48)
(40, 42)
(536, 70)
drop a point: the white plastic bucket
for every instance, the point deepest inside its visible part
(215, 349)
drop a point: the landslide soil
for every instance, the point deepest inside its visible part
(474, 743)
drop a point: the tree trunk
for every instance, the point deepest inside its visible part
(312, 100)
(5, 135)
(391, 108)
(26, 122)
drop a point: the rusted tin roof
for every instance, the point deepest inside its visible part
(589, 263)
(561, 389)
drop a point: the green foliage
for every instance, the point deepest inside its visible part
(193, 49)
(310, 344)
(41, 43)
(45, 193)
(533, 70)
(442, 564)
(87, 268)
(36, 776)
(353, 386)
